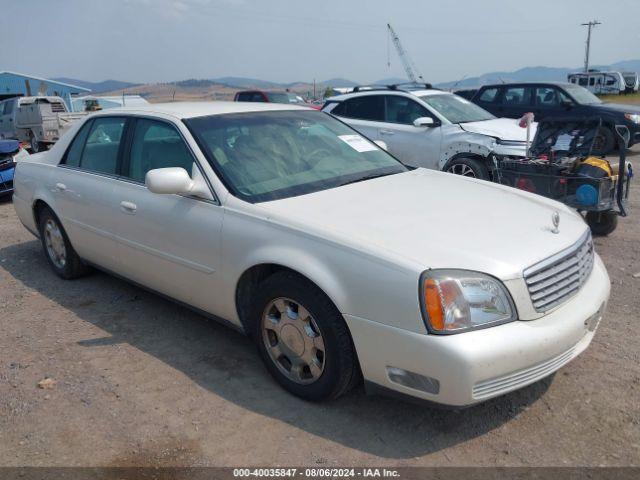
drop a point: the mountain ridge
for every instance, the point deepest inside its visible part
(536, 73)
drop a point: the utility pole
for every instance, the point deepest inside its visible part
(590, 25)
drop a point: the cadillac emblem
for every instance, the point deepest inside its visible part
(555, 219)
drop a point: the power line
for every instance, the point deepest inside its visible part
(590, 25)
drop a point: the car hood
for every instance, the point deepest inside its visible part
(502, 128)
(619, 107)
(429, 219)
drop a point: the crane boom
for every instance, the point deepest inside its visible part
(409, 67)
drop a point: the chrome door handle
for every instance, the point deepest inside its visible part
(128, 207)
(61, 187)
(387, 132)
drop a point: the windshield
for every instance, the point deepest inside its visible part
(278, 97)
(456, 109)
(263, 156)
(582, 95)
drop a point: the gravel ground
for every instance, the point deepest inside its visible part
(140, 381)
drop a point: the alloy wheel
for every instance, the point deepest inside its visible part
(462, 169)
(293, 340)
(54, 242)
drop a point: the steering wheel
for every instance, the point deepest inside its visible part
(316, 153)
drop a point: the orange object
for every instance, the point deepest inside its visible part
(433, 304)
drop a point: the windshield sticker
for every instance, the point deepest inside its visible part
(563, 142)
(358, 143)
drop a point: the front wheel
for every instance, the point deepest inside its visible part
(303, 339)
(468, 167)
(602, 223)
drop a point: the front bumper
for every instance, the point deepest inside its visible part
(475, 366)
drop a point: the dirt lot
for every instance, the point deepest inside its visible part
(141, 381)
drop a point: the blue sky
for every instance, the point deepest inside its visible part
(287, 40)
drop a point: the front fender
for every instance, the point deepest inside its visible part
(358, 283)
(459, 143)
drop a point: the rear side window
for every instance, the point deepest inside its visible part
(369, 107)
(101, 149)
(489, 95)
(517, 96)
(72, 157)
(244, 97)
(8, 107)
(156, 145)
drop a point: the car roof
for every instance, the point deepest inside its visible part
(202, 109)
(517, 84)
(385, 91)
(269, 90)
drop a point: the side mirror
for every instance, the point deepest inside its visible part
(173, 180)
(567, 104)
(425, 122)
(381, 144)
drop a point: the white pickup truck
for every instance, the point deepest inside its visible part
(39, 121)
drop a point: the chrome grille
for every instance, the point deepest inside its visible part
(556, 279)
(511, 381)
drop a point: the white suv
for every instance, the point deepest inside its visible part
(426, 127)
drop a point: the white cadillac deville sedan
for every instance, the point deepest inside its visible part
(340, 262)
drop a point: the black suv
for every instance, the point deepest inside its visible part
(556, 100)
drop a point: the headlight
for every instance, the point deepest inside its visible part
(632, 117)
(455, 301)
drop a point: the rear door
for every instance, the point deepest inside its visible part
(365, 113)
(169, 243)
(83, 189)
(414, 146)
(515, 101)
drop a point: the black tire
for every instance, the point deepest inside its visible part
(72, 267)
(340, 366)
(604, 142)
(602, 223)
(468, 167)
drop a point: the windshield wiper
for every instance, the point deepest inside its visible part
(367, 177)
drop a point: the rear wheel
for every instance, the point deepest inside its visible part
(602, 223)
(60, 254)
(468, 167)
(35, 145)
(604, 142)
(303, 339)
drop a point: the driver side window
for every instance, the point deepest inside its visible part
(156, 145)
(403, 110)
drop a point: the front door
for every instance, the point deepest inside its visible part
(169, 243)
(6, 118)
(414, 146)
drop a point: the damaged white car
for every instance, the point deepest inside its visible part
(426, 127)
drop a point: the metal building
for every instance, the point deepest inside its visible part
(13, 84)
